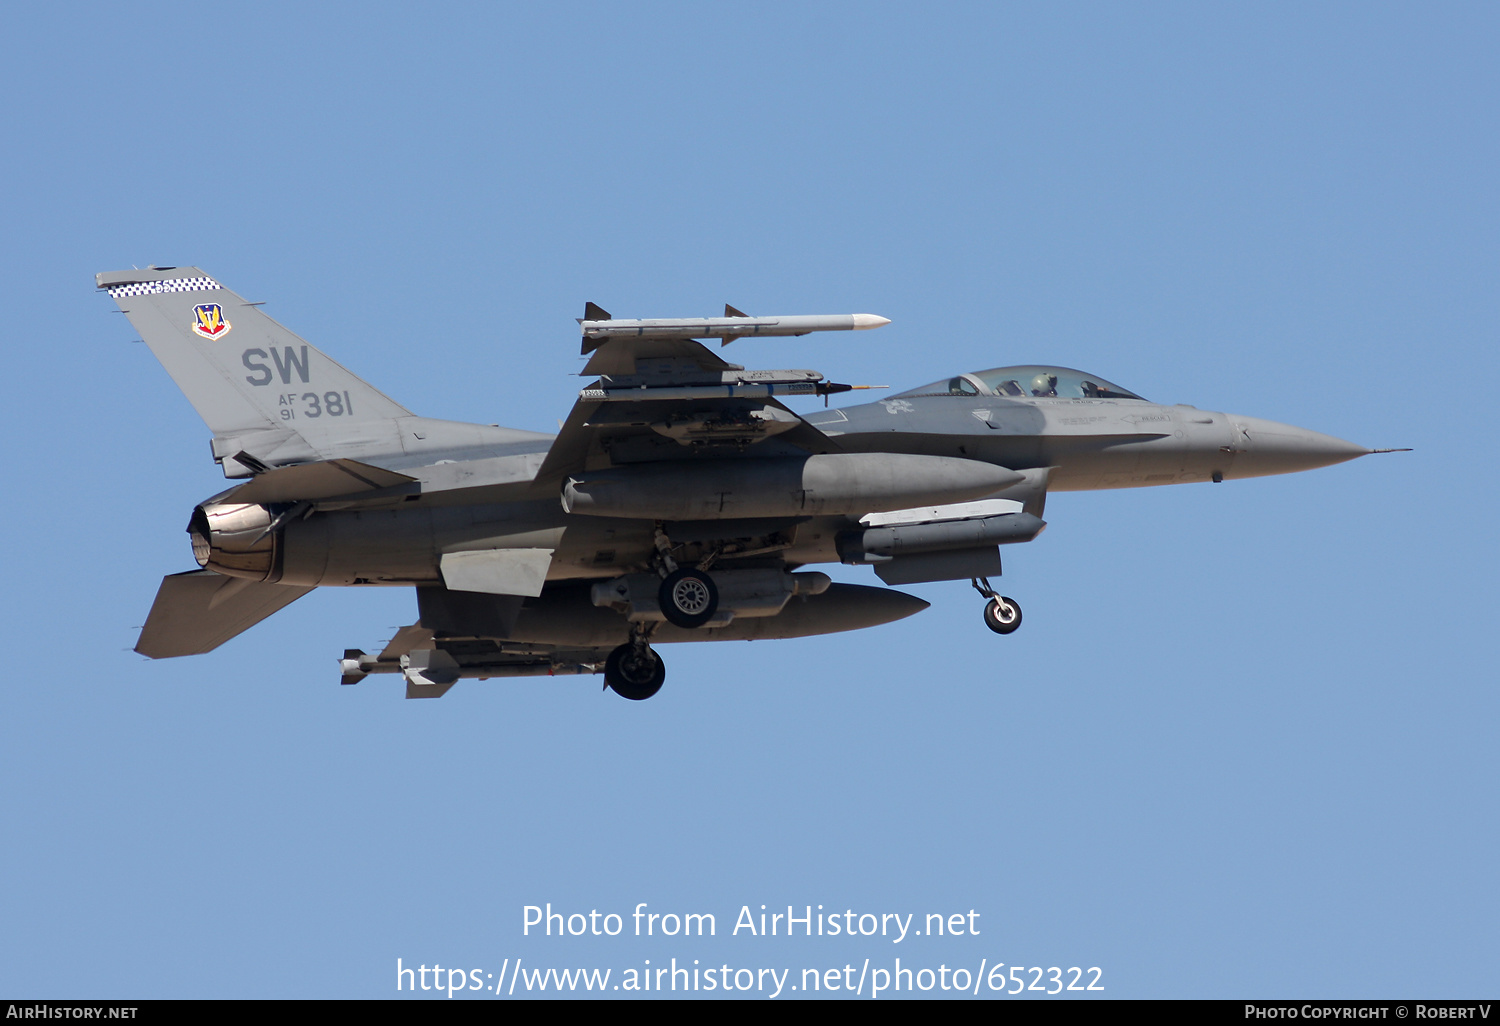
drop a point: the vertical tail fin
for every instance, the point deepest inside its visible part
(262, 390)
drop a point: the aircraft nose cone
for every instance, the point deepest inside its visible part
(1266, 447)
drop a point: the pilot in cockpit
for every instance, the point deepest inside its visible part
(1044, 384)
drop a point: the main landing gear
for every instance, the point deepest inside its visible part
(688, 597)
(1001, 614)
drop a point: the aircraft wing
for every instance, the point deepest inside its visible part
(601, 433)
(663, 396)
(198, 611)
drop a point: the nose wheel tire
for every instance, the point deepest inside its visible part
(634, 672)
(688, 597)
(1002, 615)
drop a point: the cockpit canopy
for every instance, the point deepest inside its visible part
(1027, 382)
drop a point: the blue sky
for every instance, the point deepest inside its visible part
(1244, 743)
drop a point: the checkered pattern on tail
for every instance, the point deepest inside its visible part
(153, 288)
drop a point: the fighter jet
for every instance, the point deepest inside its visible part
(679, 502)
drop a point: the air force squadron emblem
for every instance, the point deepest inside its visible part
(209, 321)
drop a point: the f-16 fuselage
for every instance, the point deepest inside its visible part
(1057, 443)
(679, 502)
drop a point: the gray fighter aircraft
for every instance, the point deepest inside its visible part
(677, 503)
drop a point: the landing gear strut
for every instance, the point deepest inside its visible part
(1001, 614)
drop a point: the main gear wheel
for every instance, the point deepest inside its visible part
(688, 597)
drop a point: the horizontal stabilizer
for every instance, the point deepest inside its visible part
(198, 611)
(313, 481)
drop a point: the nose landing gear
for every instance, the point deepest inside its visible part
(1001, 613)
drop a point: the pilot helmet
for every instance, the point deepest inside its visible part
(1044, 384)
